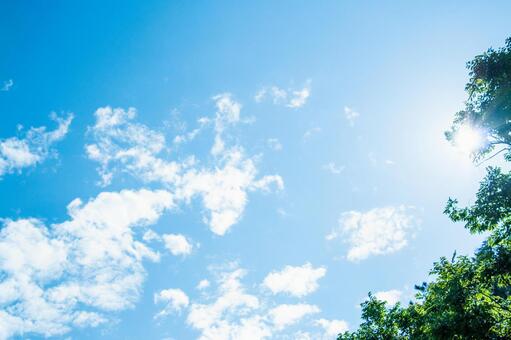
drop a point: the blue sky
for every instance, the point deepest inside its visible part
(217, 170)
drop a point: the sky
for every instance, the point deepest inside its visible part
(226, 170)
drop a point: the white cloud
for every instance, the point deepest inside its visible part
(300, 335)
(230, 312)
(203, 284)
(390, 296)
(375, 161)
(299, 97)
(150, 235)
(282, 212)
(351, 115)
(177, 244)
(175, 300)
(372, 159)
(286, 315)
(7, 85)
(18, 153)
(292, 98)
(333, 168)
(260, 94)
(277, 95)
(312, 131)
(228, 110)
(333, 327)
(224, 189)
(376, 232)
(124, 146)
(88, 319)
(74, 273)
(228, 316)
(298, 281)
(274, 144)
(186, 136)
(228, 113)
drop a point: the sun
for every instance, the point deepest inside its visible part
(469, 139)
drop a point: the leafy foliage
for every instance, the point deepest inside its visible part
(469, 297)
(489, 102)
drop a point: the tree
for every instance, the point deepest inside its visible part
(469, 297)
(489, 100)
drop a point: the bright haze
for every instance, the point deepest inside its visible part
(223, 170)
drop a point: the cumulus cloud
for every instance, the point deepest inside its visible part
(33, 148)
(203, 284)
(375, 232)
(274, 144)
(224, 190)
(228, 316)
(350, 115)
(391, 297)
(292, 98)
(76, 272)
(286, 315)
(333, 327)
(123, 146)
(150, 235)
(230, 312)
(7, 85)
(175, 300)
(299, 97)
(297, 281)
(177, 244)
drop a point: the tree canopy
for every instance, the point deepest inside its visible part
(469, 297)
(488, 106)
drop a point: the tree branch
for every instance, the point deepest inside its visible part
(492, 156)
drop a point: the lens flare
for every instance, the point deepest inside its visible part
(469, 139)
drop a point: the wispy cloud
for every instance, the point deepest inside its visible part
(375, 161)
(333, 168)
(375, 232)
(351, 115)
(299, 97)
(123, 146)
(291, 97)
(276, 94)
(309, 133)
(190, 135)
(34, 147)
(7, 85)
(274, 144)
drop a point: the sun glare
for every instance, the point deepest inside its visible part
(469, 139)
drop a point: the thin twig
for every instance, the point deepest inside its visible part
(487, 159)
